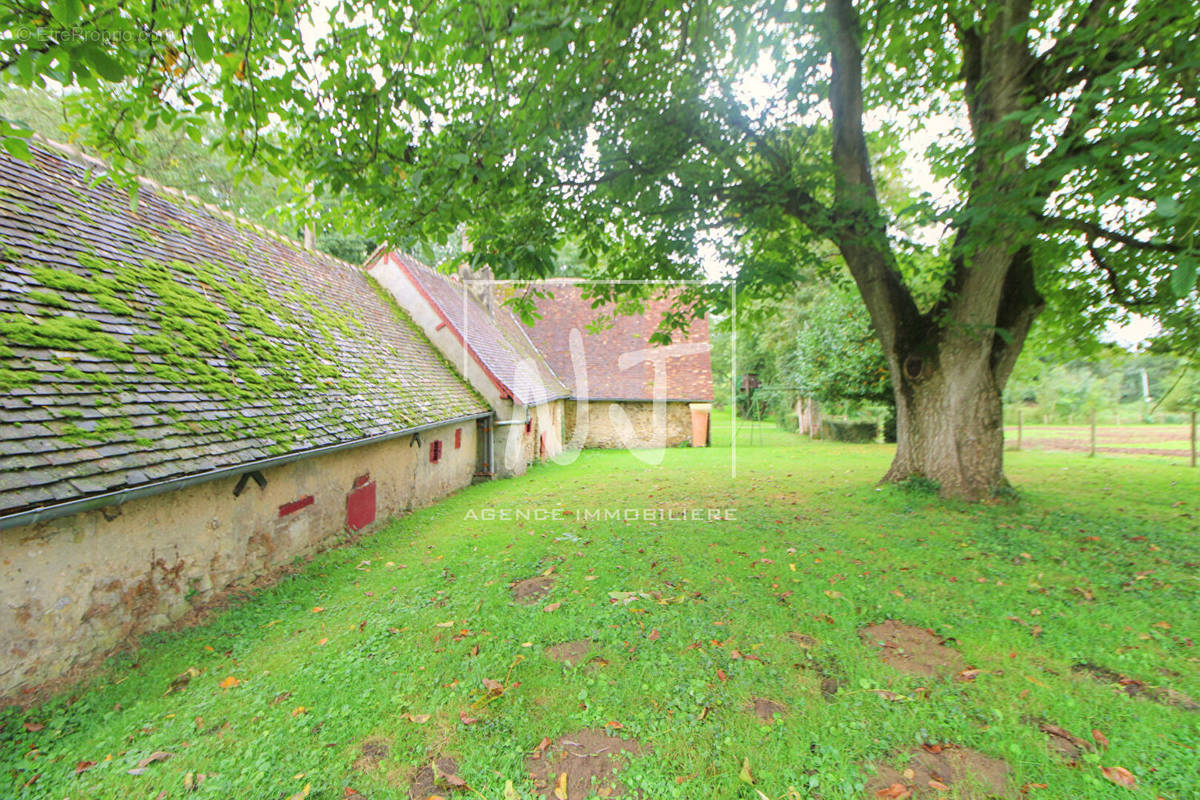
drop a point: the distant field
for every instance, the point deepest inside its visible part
(1150, 440)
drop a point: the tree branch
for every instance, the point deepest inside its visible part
(1020, 305)
(1096, 231)
(1116, 291)
(857, 226)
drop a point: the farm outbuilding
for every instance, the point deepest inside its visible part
(582, 375)
(190, 401)
(625, 391)
(489, 347)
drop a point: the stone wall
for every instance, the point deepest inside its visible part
(607, 424)
(74, 588)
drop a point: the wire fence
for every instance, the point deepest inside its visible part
(1142, 439)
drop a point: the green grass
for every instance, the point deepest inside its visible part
(816, 548)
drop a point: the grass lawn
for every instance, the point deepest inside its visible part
(346, 679)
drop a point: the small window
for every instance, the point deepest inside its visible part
(529, 426)
(457, 438)
(435, 451)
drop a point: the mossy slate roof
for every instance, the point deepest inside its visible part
(142, 342)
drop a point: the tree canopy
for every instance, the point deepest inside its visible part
(649, 134)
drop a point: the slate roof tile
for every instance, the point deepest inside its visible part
(302, 351)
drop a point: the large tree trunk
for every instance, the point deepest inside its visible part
(948, 363)
(949, 426)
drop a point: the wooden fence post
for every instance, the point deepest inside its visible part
(1193, 438)
(1092, 450)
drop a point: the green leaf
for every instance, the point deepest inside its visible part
(66, 12)
(17, 146)
(1166, 206)
(201, 43)
(102, 63)
(1183, 277)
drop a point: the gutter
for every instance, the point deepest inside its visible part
(45, 513)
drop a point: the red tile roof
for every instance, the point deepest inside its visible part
(615, 368)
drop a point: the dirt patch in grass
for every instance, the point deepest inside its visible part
(766, 709)
(437, 778)
(918, 651)
(590, 759)
(802, 640)
(1065, 743)
(829, 675)
(1137, 688)
(571, 653)
(939, 770)
(530, 590)
(371, 752)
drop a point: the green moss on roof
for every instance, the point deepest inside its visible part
(239, 342)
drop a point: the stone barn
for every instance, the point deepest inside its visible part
(189, 402)
(625, 392)
(486, 343)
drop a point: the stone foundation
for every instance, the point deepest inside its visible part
(609, 424)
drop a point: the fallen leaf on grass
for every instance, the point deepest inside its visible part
(510, 791)
(541, 748)
(1100, 738)
(317, 609)
(744, 774)
(560, 786)
(303, 793)
(493, 687)
(653, 635)
(449, 624)
(969, 674)
(229, 683)
(157, 755)
(1120, 776)
(721, 674)
(895, 790)
(892, 696)
(552, 607)
(466, 720)
(34, 727)
(420, 719)
(323, 642)
(84, 766)
(938, 785)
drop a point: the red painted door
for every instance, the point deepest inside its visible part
(360, 507)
